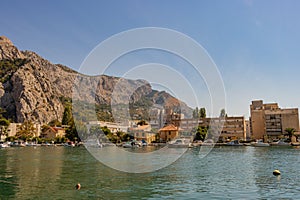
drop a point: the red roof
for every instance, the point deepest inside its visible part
(169, 127)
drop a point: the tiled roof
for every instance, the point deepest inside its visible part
(169, 127)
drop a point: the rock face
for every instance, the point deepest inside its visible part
(34, 88)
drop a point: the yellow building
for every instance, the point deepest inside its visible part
(270, 121)
(53, 132)
(143, 133)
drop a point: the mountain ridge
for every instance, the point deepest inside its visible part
(32, 88)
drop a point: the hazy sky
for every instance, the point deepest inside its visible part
(255, 44)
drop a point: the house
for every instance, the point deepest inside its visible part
(168, 133)
(143, 133)
(53, 132)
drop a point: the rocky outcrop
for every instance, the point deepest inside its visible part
(35, 88)
(8, 50)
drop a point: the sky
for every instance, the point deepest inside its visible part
(254, 44)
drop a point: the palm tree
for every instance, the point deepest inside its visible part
(26, 131)
(289, 132)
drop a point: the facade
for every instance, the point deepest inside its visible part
(187, 125)
(270, 121)
(168, 133)
(112, 126)
(13, 128)
(143, 133)
(232, 128)
(53, 132)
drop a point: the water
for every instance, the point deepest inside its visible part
(226, 173)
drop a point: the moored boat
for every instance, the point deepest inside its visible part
(234, 143)
(280, 143)
(260, 143)
(180, 143)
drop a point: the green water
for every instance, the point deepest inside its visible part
(226, 173)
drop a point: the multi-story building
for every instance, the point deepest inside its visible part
(270, 121)
(227, 128)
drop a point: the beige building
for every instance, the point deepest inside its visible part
(227, 128)
(13, 129)
(168, 133)
(143, 133)
(270, 121)
(53, 132)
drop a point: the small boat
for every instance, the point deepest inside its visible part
(17, 144)
(131, 144)
(295, 143)
(280, 143)
(234, 143)
(180, 143)
(260, 143)
(3, 145)
(208, 142)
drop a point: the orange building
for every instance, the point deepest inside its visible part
(168, 133)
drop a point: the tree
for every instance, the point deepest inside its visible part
(4, 123)
(26, 131)
(54, 122)
(202, 113)
(201, 133)
(67, 116)
(71, 132)
(289, 132)
(223, 113)
(142, 123)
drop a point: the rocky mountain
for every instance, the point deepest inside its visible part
(32, 88)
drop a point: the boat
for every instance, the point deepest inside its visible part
(180, 143)
(3, 145)
(234, 143)
(260, 143)
(280, 143)
(17, 144)
(131, 144)
(295, 143)
(208, 142)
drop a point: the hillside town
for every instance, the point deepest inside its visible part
(267, 122)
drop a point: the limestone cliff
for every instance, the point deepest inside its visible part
(32, 88)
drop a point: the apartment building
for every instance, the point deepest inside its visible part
(270, 121)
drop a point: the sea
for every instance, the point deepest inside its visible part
(245, 172)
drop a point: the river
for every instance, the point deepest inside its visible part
(225, 173)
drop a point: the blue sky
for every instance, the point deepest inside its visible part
(255, 44)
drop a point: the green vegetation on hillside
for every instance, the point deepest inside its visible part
(9, 67)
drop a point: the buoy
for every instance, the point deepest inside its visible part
(276, 172)
(78, 186)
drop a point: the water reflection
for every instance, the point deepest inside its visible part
(226, 173)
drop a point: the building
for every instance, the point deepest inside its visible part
(112, 126)
(13, 129)
(53, 132)
(168, 133)
(248, 132)
(227, 128)
(269, 121)
(187, 125)
(143, 133)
